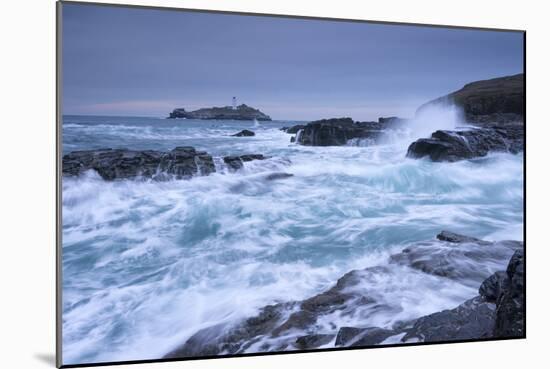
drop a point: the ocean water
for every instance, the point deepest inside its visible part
(147, 264)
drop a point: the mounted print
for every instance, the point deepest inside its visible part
(240, 184)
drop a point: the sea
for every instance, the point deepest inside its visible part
(146, 264)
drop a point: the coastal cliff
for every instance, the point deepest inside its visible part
(241, 112)
(494, 106)
(495, 100)
(493, 109)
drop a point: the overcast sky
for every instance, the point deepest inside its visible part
(142, 62)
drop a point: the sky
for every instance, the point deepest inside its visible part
(142, 62)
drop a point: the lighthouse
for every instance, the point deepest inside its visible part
(234, 105)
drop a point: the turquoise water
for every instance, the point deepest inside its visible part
(146, 264)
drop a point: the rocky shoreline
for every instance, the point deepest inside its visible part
(496, 312)
(180, 163)
(493, 108)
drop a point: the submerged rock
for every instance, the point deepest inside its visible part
(280, 175)
(458, 257)
(244, 133)
(459, 145)
(235, 162)
(458, 238)
(114, 164)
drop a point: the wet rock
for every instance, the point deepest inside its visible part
(491, 288)
(510, 316)
(250, 157)
(244, 133)
(235, 162)
(465, 259)
(459, 145)
(114, 164)
(203, 343)
(350, 336)
(474, 319)
(232, 339)
(184, 162)
(336, 132)
(279, 175)
(496, 312)
(458, 238)
(294, 129)
(346, 335)
(312, 341)
(496, 106)
(298, 320)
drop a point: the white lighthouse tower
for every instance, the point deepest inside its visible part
(234, 103)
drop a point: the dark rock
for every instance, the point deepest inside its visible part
(242, 112)
(203, 343)
(459, 145)
(113, 164)
(294, 129)
(338, 131)
(390, 120)
(497, 312)
(235, 339)
(325, 302)
(275, 176)
(293, 139)
(346, 335)
(235, 162)
(313, 341)
(469, 260)
(250, 157)
(474, 319)
(510, 316)
(298, 320)
(350, 336)
(498, 100)
(184, 162)
(330, 132)
(458, 238)
(495, 105)
(492, 288)
(244, 133)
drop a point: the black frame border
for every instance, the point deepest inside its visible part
(59, 140)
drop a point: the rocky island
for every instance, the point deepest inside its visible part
(241, 112)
